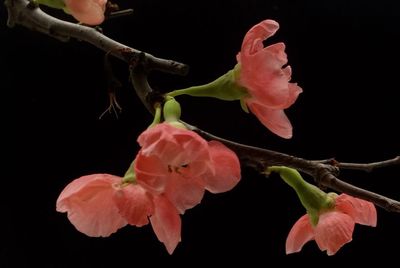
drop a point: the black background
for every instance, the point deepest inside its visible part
(344, 54)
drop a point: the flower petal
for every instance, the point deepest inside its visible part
(90, 12)
(275, 120)
(253, 39)
(334, 229)
(88, 202)
(363, 212)
(226, 169)
(299, 235)
(183, 193)
(166, 223)
(151, 172)
(134, 204)
(173, 146)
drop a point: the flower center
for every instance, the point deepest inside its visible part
(177, 169)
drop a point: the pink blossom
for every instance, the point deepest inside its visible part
(90, 12)
(335, 227)
(98, 205)
(181, 165)
(89, 203)
(263, 74)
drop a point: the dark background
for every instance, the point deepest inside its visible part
(344, 54)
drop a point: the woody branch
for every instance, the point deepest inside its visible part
(324, 172)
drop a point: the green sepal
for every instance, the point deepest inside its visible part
(225, 88)
(130, 176)
(313, 199)
(244, 106)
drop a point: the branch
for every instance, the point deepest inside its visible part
(370, 166)
(324, 172)
(23, 13)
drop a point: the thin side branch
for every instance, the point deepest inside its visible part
(370, 166)
(324, 172)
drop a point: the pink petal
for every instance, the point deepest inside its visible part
(90, 12)
(252, 41)
(226, 169)
(334, 229)
(183, 193)
(275, 120)
(299, 235)
(151, 172)
(134, 204)
(88, 202)
(166, 223)
(363, 212)
(265, 80)
(173, 146)
(294, 92)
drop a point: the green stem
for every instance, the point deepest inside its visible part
(130, 176)
(157, 115)
(224, 88)
(313, 199)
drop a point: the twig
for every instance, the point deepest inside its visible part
(370, 166)
(120, 13)
(324, 172)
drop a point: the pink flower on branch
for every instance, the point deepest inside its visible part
(263, 74)
(98, 205)
(172, 171)
(334, 228)
(181, 165)
(89, 203)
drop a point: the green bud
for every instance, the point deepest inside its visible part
(172, 110)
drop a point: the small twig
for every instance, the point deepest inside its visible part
(113, 106)
(120, 13)
(370, 166)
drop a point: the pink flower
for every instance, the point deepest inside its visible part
(98, 205)
(90, 12)
(334, 228)
(90, 206)
(181, 165)
(267, 81)
(172, 170)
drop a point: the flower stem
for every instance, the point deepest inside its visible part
(313, 199)
(224, 87)
(157, 115)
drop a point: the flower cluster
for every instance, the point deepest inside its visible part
(170, 174)
(175, 166)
